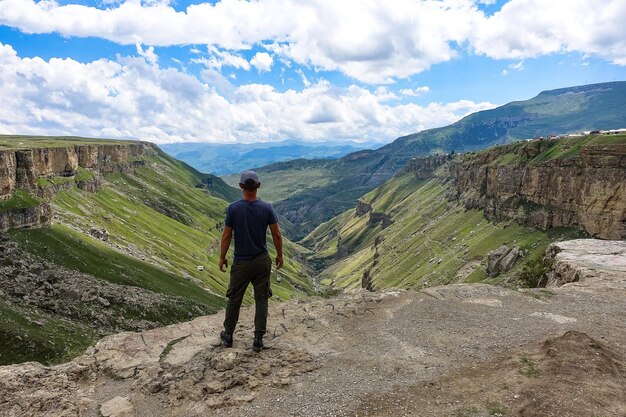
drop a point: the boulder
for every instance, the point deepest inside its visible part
(503, 259)
(118, 407)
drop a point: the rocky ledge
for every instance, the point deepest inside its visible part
(25, 217)
(361, 353)
(586, 262)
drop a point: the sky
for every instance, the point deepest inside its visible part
(235, 71)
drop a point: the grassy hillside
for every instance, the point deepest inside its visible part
(432, 241)
(164, 220)
(309, 192)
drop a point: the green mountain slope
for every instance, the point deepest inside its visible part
(432, 241)
(157, 264)
(308, 192)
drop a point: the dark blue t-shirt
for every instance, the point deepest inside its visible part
(249, 220)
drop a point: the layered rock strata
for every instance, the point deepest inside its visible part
(425, 167)
(25, 217)
(586, 191)
(22, 168)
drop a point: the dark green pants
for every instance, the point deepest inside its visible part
(243, 272)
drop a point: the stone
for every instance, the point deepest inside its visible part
(586, 262)
(502, 259)
(101, 234)
(362, 208)
(118, 407)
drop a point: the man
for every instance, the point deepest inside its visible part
(249, 218)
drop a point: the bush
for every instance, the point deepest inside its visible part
(533, 272)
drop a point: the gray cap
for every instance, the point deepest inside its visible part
(249, 175)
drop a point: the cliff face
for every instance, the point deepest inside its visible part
(22, 168)
(425, 167)
(585, 189)
(25, 217)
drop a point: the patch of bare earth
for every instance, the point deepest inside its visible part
(572, 375)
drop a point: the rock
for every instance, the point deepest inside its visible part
(502, 259)
(586, 262)
(383, 218)
(362, 208)
(425, 167)
(118, 407)
(25, 217)
(102, 234)
(200, 268)
(587, 191)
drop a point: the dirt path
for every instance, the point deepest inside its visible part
(461, 350)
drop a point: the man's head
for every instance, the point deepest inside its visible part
(249, 181)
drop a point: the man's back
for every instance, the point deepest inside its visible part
(249, 220)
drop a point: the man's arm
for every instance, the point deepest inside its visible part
(278, 244)
(227, 235)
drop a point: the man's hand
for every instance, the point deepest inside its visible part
(223, 264)
(227, 235)
(279, 261)
(277, 237)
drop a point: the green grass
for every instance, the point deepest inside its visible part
(83, 253)
(84, 174)
(431, 242)
(19, 200)
(159, 212)
(312, 192)
(26, 335)
(527, 367)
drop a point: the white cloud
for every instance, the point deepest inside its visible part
(505, 72)
(415, 92)
(531, 28)
(305, 80)
(218, 58)
(369, 40)
(131, 97)
(262, 61)
(519, 66)
(149, 55)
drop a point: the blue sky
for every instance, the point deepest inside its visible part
(270, 70)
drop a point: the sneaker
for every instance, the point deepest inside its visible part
(257, 345)
(227, 338)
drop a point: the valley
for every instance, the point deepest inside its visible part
(313, 191)
(463, 268)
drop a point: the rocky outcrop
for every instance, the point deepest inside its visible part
(25, 217)
(587, 191)
(38, 285)
(90, 186)
(425, 167)
(7, 173)
(362, 208)
(22, 168)
(503, 259)
(586, 262)
(383, 219)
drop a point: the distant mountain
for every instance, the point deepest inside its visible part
(223, 159)
(328, 188)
